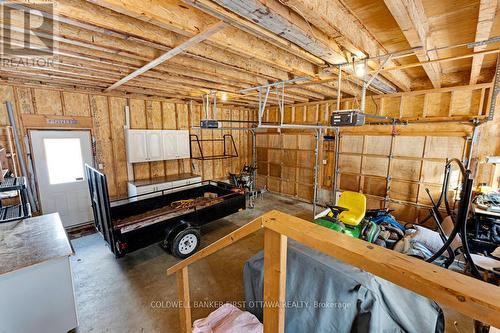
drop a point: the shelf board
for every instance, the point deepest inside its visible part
(13, 213)
(13, 184)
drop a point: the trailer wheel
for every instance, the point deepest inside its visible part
(185, 243)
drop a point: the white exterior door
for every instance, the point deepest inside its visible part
(59, 158)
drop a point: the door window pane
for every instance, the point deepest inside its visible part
(64, 160)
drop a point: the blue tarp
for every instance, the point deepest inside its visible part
(326, 295)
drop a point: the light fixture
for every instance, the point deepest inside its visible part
(223, 96)
(360, 69)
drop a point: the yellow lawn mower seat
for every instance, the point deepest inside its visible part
(356, 204)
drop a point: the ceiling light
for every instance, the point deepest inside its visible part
(223, 96)
(360, 69)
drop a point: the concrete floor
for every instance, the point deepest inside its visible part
(116, 295)
(134, 294)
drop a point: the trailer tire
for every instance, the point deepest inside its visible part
(185, 243)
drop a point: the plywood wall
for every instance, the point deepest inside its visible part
(489, 145)
(104, 115)
(395, 171)
(285, 163)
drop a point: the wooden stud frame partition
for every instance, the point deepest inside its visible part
(452, 103)
(373, 160)
(104, 115)
(471, 297)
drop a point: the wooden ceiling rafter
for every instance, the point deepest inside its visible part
(198, 38)
(337, 21)
(280, 20)
(274, 17)
(120, 70)
(412, 20)
(303, 92)
(99, 30)
(186, 21)
(250, 27)
(486, 17)
(113, 38)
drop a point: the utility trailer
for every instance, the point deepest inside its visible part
(173, 217)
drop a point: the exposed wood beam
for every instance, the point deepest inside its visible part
(486, 17)
(141, 48)
(86, 44)
(439, 60)
(51, 79)
(411, 18)
(250, 27)
(122, 67)
(211, 30)
(278, 19)
(273, 16)
(275, 254)
(336, 21)
(147, 34)
(175, 16)
(104, 49)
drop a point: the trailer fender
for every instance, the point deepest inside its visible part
(173, 229)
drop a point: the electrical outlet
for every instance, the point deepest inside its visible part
(100, 166)
(325, 162)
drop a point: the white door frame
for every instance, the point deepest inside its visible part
(87, 157)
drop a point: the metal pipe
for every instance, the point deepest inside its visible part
(214, 112)
(296, 126)
(130, 167)
(206, 105)
(19, 149)
(9, 133)
(389, 166)
(316, 160)
(474, 138)
(225, 128)
(339, 91)
(336, 170)
(264, 102)
(281, 102)
(254, 159)
(363, 97)
(259, 116)
(31, 172)
(374, 75)
(297, 79)
(394, 55)
(495, 90)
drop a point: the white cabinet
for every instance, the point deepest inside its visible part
(157, 145)
(136, 146)
(154, 145)
(176, 144)
(169, 141)
(183, 148)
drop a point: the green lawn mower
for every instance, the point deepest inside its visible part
(348, 218)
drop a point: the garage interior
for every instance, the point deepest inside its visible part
(250, 166)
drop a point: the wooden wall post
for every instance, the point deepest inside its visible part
(275, 253)
(184, 300)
